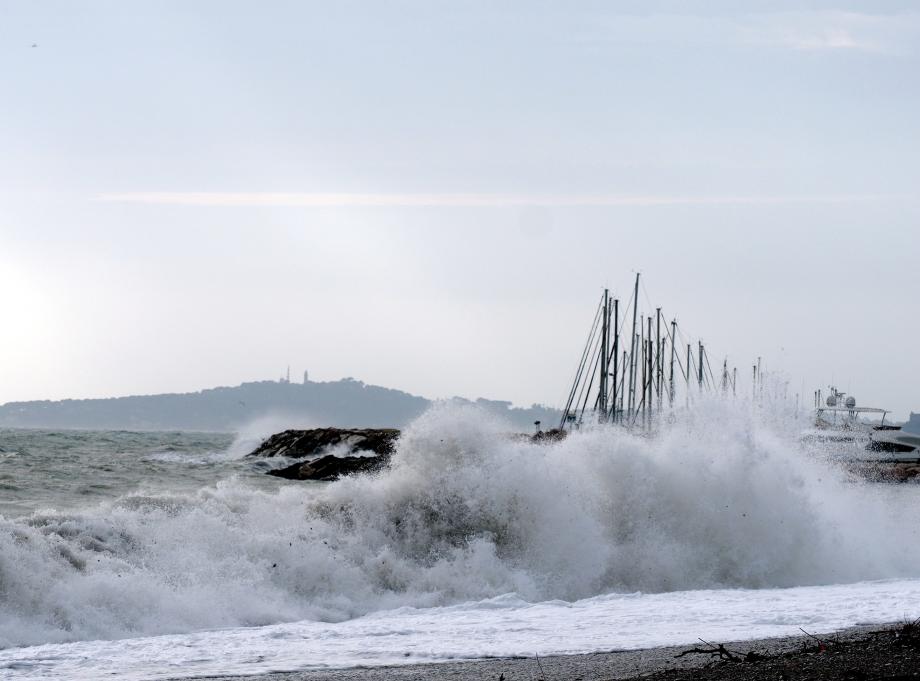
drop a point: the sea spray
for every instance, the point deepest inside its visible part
(464, 513)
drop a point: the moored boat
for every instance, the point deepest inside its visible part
(841, 422)
(896, 443)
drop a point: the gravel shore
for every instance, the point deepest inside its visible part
(889, 652)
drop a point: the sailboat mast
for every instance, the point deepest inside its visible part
(602, 383)
(632, 350)
(616, 350)
(642, 365)
(623, 403)
(661, 353)
(658, 355)
(700, 380)
(651, 373)
(673, 348)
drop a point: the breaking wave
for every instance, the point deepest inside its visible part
(464, 513)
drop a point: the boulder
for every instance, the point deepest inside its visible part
(882, 471)
(299, 444)
(552, 435)
(316, 443)
(331, 467)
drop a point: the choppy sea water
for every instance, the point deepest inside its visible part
(75, 469)
(155, 555)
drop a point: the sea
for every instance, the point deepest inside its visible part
(173, 555)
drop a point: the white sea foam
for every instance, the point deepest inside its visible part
(464, 514)
(252, 433)
(505, 626)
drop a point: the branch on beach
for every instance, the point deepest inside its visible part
(540, 665)
(908, 635)
(822, 644)
(723, 653)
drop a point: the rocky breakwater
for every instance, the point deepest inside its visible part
(331, 452)
(886, 471)
(334, 452)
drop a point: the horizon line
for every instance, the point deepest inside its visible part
(458, 200)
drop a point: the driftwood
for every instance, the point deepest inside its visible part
(723, 653)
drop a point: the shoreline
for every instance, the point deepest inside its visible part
(879, 651)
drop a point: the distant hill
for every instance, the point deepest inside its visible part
(344, 403)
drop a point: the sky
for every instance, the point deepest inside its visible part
(432, 195)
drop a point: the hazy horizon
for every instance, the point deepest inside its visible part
(432, 197)
(295, 380)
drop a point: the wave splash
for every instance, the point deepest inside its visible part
(464, 513)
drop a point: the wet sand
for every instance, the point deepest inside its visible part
(857, 654)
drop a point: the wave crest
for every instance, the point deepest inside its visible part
(464, 513)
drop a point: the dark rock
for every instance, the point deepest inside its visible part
(552, 435)
(332, 467)
(541, 437)
(299, 444)
(903, 472)
(885, 471)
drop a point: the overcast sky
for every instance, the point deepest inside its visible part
(432, 196)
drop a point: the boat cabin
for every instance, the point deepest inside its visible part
(847, 417)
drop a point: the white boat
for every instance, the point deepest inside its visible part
(840, 421)
(896, 443)
(859, 435)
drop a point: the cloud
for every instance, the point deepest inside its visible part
(833, 31)
(830, 39)
(344, 200)
(806, 31)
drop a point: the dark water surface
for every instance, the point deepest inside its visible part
(42, 469)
